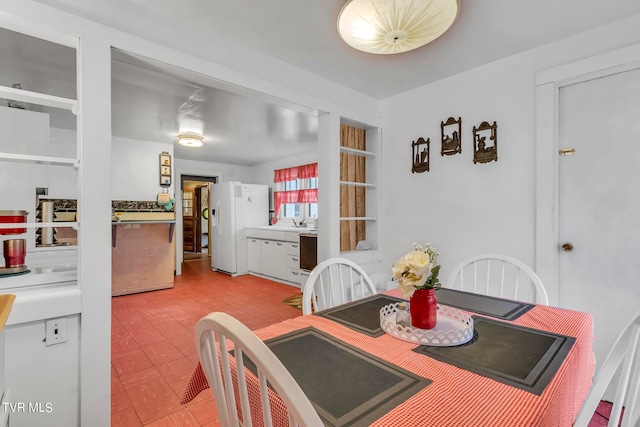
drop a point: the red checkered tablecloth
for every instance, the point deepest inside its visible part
(461, 398)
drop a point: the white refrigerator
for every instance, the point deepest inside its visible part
(234, 207)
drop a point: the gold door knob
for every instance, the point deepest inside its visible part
(567, 247)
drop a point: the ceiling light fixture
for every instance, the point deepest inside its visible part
(190, 140)
(395, 26)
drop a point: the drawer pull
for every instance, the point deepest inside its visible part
(295, 259)
(279, 244)
(294, 246)
(266, 243)
(295, 273)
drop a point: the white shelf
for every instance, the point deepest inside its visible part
(357, 218)
(38, 276)
(357, 152)
(357, 184)
(73, 225)
(39, 98)
(41, 160)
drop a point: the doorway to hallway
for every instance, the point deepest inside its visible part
(195, 216)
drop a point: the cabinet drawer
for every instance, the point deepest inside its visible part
(294, 275)
(293, 261)
(293, 248)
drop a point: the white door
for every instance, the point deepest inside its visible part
(599, 202)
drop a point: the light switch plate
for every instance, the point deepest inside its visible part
(56, 331)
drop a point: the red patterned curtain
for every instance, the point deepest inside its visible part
(302, 172)
(294, 196)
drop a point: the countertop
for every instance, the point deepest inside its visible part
(285, 228)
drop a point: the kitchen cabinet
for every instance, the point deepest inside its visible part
(254, 248)
(273, 261)
(274, 254)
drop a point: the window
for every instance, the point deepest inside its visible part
(299, 211)
(296, 194)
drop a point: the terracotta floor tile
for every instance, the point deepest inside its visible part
(175, 368)
(140, 377)
(125, 418)
(116, 385)
(204, 412)
(153, 400)
(181, 418)
(120, 401)
(146, 335)
(124, 367)
(161, 352)
(186, 345)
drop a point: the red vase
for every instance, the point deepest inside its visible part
(423, 309)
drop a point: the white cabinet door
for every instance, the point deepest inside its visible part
(274, 260)
(280, 260)
(254, 255)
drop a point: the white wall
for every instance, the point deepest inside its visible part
(135, 169)
(39, 375)
(462, 208)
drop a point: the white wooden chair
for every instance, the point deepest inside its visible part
(625, 352)
(211, 332)
(500, 276)
(333, 282)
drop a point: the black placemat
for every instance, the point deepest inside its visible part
(347, 386)
(522, 357)
(362, 315)
(483, 304)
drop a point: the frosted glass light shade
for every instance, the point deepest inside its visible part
(395, 26)
(190, 140)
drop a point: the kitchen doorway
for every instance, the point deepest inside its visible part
(195, 216)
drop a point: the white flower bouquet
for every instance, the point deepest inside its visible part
(417, 270)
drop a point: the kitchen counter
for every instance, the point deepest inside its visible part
(144, 257)
(285, 228)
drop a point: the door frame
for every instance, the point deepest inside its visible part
(185, 172)
(548, 85)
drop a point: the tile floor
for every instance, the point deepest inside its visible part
(152, 348)
(152, 345)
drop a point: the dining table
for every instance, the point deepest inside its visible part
(525, 364)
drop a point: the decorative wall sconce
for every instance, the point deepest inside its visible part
(420, 155)
(485, 151)
(452, 137)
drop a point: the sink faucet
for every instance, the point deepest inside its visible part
(298, 225)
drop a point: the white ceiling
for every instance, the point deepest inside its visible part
(149, 97)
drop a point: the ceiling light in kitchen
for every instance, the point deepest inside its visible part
(395, 26)
(190, 140)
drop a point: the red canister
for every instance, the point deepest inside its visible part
(15, 251)
(14, 217)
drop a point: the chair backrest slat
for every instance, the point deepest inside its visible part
(242, 387)
(343, 279)
(625, 352)
(271, 377)
(502, 280)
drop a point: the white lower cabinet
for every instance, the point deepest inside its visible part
(275, 259)
(254, 247)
